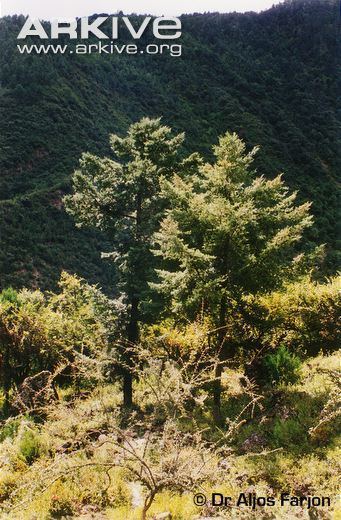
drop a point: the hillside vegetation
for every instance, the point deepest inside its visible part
(270, 77)
(169, 300)
(215, 370)
(74, 465)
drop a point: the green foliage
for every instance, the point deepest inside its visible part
(272, 449)
(304, 315)
(30, 446)
(281, 367)
(44, 331)
(61, 507)
(123, 199)
(329, 422)
(9, 296)
(231, 250)
(287, 433)
(9, 430)
(179, 342)
(227, 232)
(226, 79)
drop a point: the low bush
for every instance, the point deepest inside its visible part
(30, 446)
(281, 367)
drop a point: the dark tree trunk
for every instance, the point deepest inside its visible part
(217, 397)
(147, 504)
(133, 337)
(127, 389)
(133, 326)
(6, 376)
(217, 416)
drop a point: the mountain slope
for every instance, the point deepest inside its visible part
(271, 77)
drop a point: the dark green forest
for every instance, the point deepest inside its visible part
(269, 77)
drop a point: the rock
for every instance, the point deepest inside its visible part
(136, 494)
(163, 516)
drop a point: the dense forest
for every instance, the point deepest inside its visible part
(270, 77)
(169, 300)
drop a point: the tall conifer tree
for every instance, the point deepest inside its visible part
(123, 199)
(228, 232)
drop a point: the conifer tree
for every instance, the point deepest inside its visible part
(227, 233)
(123, 199)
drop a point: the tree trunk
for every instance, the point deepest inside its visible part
(147, 504)
(217, 396)
(218, 371)
(6, 371)
(133, 332)
(133, 337)
(127, 389)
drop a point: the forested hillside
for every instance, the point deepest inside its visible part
(270, 77)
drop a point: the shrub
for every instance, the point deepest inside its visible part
(9, 430)
(7, 484)
(46, 331)
(288, 433)
(305, 315)
(281, 367)
(61, 507)
(30, 446)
